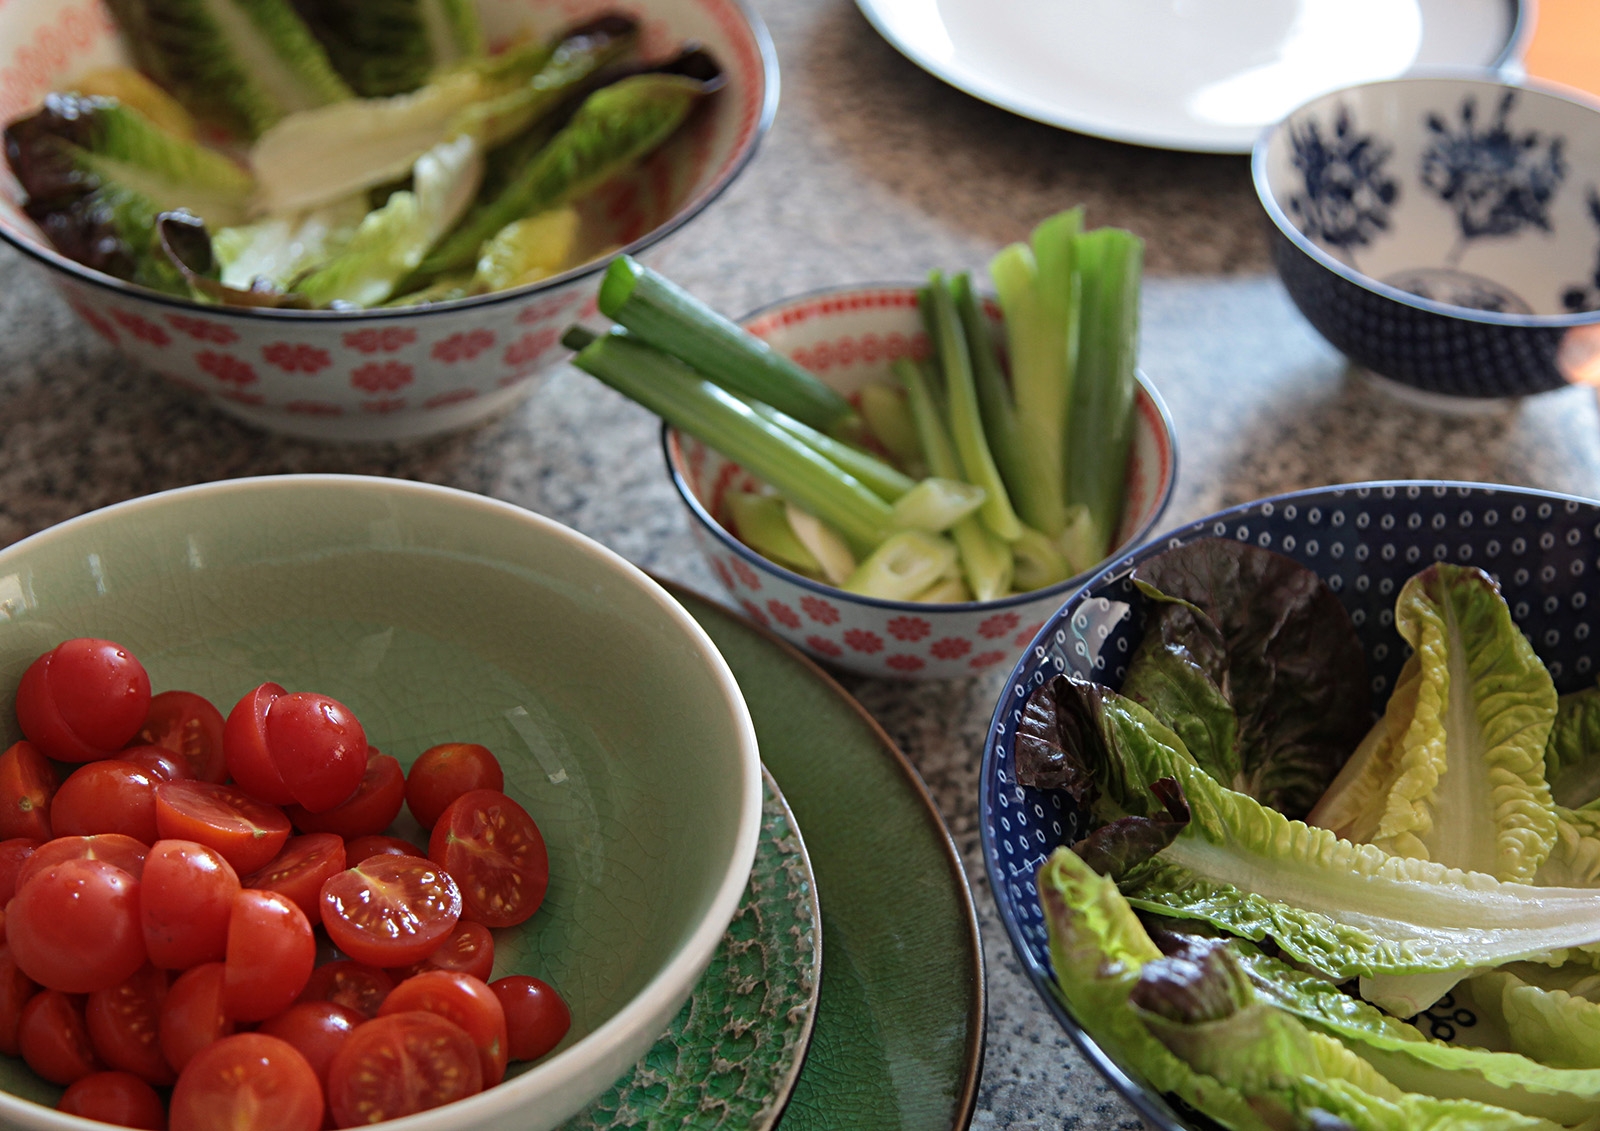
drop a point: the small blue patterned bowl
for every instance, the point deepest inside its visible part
(1366, 539)
(1443, 232)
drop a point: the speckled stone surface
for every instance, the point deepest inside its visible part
(874, 171)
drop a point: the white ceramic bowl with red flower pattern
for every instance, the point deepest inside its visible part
(848, 337)
(407, 372)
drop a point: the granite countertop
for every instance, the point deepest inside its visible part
(874, 171)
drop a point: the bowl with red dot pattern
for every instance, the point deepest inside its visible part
(849, 337)
(390, 374)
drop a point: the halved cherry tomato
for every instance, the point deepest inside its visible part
(390, 910)
(443, 773)
(246, 832)
(319, 748)
(54, 1039)
(352, 984)
(115, 849)
(362, 847)
(15, 990)
(115, 1097)
(317, 1028)
(14, 853)
(465, 1000)
(189, 726)
(27, 783)
(75, 927)
(83, 700)
(496, 853)
(244, 745)
(536, 1016)
(159, 761)
(438, 1064)
(271, 952)
(192, 1017)
(468, 950)
(110, 796)
(124, 1026)
(300, 870)
(369, 810)
(185, 902)
(247, 1082)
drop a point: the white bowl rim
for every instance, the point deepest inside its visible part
(767, 55)
(833, 592)
(696, 950)
(1269, 202)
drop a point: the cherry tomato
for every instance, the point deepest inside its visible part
(437, 1064)
(369, 810)
(244, 746)
(362, 847)
(14, 853)
(159, 761)
(271, 952)
(115, 1097)
(317, 1029)
(390, 910)
(465, 1000)
(111, 796)
(54, 1039)
(300, 870)
(536, 1016)
(496, 853)
(247, 1082)
(319, 748)
(82, 700)
(189, 726)
(246, 832)
(75, 927)
(113, 848)
(124, 1025)
(468, 950)
(27, 783)
(443, 773)
(15, 990)
(352, 984)
(185, 902)
(192, 1017)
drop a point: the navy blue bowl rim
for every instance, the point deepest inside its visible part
(51, 259)
(822, 589)
(1151, 1106)
(1269, 202)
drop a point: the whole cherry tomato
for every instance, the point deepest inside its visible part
(246, 832)
(247, 1082)
(75, 927)
(437, 1064)
(27, 783)
(185, 903)
(465, 1000)
(124, 1025)
(299, 747)
(15, 990)
(191, 728)
(496, 853)
(300, 870)
(110, 796)
(317, 1029)
(443, 773)
(54, 1039)
(352, 984)
(192, 1017)
(536, 1016)
(83, 700)
(244, 745)
(368, 811)
(390, 910)
(115, 1097)
(271, 952)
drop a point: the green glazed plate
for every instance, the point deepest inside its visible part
(898, 1039)
(732, 1054)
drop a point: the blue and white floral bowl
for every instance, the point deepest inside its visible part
(1443, 232)
(1365, 540)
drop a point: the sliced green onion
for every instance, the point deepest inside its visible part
(906, 564)
(935, 505)
(759, 522)
(950, 591)
(994, 395)
(837, 562)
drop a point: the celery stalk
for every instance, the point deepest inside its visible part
(949, 591)
(830, 550)
(886, 482)
(1038, 561)
(684, 399)
(1036, 349)
(961, 407)
(664, 315)
(760, 523)
(935, 505)
(905, 565)
(883, 407)
(1100, 421)
(994, 395)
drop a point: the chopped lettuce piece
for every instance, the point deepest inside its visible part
(244, 64)
(528, 250)
(392, 46)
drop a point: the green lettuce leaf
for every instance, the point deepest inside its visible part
(383, 47)
(1553, 1027)
(1252, 660)
(1574, 859)
(274, 252)
(1572, 755)
(1353, 805)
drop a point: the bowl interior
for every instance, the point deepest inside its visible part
(850, 338)
(1468, 192)
(436, 615)
(1366, 541)
(43, 45)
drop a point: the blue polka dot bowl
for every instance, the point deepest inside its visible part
(1443, 232)
(1365, 539)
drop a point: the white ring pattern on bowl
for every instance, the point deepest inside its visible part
(392, 374)
(849, 337)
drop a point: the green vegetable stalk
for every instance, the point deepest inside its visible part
(886, 482)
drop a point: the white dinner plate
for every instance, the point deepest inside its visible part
(1202, 75)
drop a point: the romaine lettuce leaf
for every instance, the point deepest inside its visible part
(1551, 1026)
(275, 251)
(1572, 755)
(383, 47)
(1353, 805)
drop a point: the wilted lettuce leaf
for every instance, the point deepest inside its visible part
(383, 47)
(1572, 754)
(1235, 626)
(243, 64)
